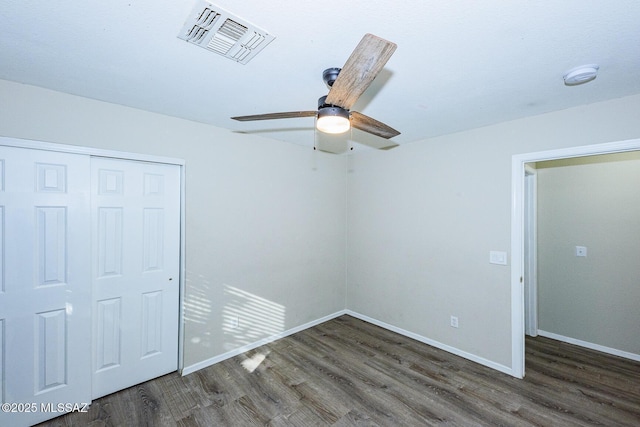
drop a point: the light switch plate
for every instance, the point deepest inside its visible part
(498, 257)
(581, 251)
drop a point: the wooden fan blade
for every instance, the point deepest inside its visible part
(364, 64)
(271, 116)
(367, 124)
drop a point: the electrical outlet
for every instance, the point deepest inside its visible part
(454, 322)
(235, 322)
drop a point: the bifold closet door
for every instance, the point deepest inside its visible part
(136, 258)
(45, 287)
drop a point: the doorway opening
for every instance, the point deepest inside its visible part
(522, 248)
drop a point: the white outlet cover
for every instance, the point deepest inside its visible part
(454, 321)
(581, 251)
(498, 257)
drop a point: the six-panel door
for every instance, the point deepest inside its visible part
(45, 288)
(136, 230)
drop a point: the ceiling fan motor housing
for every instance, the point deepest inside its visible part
(331, 110)
(323, 104)
(330, 75)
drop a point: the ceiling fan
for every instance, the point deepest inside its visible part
(345, 87)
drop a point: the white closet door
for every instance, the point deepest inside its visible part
(45, 298)
(136, 253)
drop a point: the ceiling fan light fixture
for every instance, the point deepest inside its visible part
(333, 120)
(346, 84)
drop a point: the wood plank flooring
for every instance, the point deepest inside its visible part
(347, 372)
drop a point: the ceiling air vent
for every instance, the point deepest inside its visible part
(215, 29)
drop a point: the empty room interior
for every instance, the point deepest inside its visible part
(186, 241)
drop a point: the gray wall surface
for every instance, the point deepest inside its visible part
(423, 217)
(592, 202)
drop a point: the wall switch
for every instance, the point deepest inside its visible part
(497, 257)
(581, 251)
(454, 322)
(235, 322)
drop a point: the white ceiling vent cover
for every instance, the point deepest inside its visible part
(215, 29)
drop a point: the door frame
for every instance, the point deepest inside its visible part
(518, 165)
(530, 250)
(90, 151)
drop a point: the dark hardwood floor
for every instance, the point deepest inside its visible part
(347, 372)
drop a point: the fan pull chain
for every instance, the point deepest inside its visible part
(350, 138)
(315, 133)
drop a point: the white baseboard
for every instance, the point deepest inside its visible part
(472, 357)
(433, 343)
(592, 346)
(212, 361)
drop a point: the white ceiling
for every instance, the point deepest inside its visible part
(459, 64)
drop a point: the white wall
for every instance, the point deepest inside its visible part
(264, 220)
(423, 217)
(592, 202)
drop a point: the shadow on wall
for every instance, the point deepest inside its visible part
(198, 308)
(247, 318)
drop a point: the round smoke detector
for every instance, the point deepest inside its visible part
(581, 74)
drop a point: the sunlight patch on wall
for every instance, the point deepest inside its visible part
(198, 309)
(197, 302)
(248, 317)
